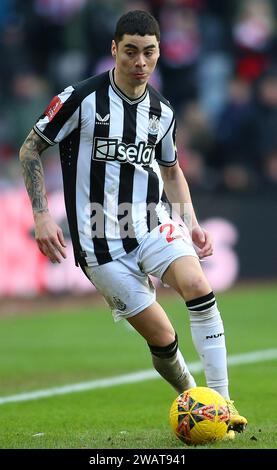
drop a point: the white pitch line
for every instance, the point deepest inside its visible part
(195, 367)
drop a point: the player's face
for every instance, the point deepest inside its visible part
(136, 57)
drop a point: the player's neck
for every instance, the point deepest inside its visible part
(126, 88)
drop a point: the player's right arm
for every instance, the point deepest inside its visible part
(49, 236)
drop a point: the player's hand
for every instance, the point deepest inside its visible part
(203, 240)
(49, 237)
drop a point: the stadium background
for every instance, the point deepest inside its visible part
(218, 68)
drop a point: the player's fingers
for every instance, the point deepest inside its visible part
(208, 251)
(61, 237)
(41, 248)
(46, 252)
(51, 251)
(199, 240)
(209, 239)
(208, 246)
(58, 247)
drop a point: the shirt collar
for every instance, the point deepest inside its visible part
(122, 95)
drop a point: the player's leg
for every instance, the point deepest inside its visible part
(185, 275)
(154, 325)
(131, 296)
(170, 256)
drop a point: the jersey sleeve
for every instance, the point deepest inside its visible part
(166, 152)
(60, 118)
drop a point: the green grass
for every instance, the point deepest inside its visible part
(52, 349)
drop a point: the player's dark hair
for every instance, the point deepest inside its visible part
(136, 22)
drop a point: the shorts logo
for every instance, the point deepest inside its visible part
(53, 108)
(154, 124)
(119, 304)
(104, 120)
(112, 149)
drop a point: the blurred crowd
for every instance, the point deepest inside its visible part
(218, 68)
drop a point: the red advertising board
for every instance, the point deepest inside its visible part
(25, 271)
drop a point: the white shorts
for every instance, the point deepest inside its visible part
(125, 283)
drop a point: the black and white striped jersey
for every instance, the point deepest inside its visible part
(110, 148)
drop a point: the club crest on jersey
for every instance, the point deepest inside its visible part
(106, 149)
(153, 126)
(102, 120)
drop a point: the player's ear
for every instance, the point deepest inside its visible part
(113, 49)
(158, 49)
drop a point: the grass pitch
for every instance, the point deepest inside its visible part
(53, 349)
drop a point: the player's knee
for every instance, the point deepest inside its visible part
(162, 339)
(161, 348)
(194, 287)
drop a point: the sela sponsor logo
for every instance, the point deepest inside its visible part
(153, 125)
(53, 107)
(104, 121)
(112, 149)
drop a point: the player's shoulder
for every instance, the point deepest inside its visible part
(161, 98)
(91, 85)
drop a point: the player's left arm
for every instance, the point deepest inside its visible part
(177, 192)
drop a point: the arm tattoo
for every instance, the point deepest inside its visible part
(33, 171)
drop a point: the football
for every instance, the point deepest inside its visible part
(199, 415)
